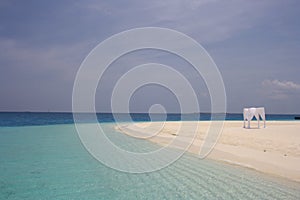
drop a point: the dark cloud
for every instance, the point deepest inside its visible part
(43, 43)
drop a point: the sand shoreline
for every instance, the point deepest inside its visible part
(273, 150)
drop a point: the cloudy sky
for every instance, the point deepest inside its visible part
(255, 44)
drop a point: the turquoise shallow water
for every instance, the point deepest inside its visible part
(49, 162)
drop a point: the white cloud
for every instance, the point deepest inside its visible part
(97, 7)
(276, 89)
(282, 85)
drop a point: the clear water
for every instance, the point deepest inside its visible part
(49, 162)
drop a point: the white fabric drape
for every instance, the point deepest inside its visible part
(249, 113)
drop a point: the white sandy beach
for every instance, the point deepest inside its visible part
(274, 150)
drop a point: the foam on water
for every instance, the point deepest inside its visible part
(49, 162)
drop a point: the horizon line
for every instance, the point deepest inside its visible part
(105, 112)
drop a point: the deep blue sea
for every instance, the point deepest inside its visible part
(49, 118)
(42, 157)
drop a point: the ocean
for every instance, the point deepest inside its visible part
(52, 118)
(42, 158)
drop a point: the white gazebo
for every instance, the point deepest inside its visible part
(249, 113)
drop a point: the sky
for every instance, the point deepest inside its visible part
(255, 44)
